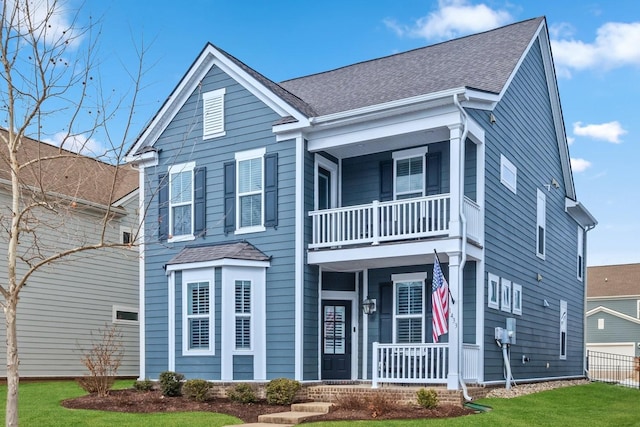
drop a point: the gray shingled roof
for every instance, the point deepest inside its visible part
(482, 61)
(613, 280)
(203, 253)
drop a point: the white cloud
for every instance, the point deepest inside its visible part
(78, 144)
(53, 23)
(570, 140)
(453, 18)
(579, 165)
(616, 45)
(610, 132)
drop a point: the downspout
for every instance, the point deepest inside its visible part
(463, 239)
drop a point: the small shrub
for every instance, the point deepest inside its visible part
(102, 361)
(171, 383)
(143, 385)
(281, 391)
(380, 404)
(427, 398)
(242, 393)
(196, 390)
(96, 385)
(351, 402)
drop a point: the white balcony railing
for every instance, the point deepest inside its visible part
(473, 216)
(381, 221)
(420, 363)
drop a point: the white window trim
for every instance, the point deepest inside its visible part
(517, 299)
(183, 167)
(638, 311)
(505, 295)
(404, 278)
(408, 154)
(117, 308)
(196, 276)
(493, 303)
(601, 323)
(239, 157)
(564, 315)
(219, 130)
(505, 164)
(130, 231)
(580, 257)
(541, 221)
(332, 168)
(258, 278)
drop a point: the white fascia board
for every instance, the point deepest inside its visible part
(389, 126)
(603, 309)
(579, 213)
(143, 160)
(480, 100)
(210, 57)
(439, 98)
(224, 262)
(126, 199)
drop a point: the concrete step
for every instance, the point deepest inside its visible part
(287, 417)
(322, 407)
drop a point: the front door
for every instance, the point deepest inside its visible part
(336, 339)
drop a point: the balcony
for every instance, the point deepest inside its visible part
(378, 222)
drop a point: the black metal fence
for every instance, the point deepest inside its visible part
(614, 368)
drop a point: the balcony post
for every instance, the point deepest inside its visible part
(455, 320)
(376, 222)
(455, 177)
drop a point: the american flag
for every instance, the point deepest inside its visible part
(440, 302)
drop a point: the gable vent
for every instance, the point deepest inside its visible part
(213, 113)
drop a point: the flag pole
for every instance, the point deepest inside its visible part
(448, 289)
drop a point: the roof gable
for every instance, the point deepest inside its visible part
(282, 102)
(603, 309)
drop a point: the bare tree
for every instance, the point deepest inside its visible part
(50, 74)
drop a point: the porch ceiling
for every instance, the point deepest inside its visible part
(383, 255)
(390, 143)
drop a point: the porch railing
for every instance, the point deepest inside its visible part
(381, 221)
(419, 363)
(473, 216)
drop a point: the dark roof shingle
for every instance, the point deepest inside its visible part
(613, 280)
(482, 61)
(213, 252)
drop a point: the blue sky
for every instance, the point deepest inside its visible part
(596, 48)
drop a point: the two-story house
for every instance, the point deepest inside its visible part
(293, 227)
(613, 309)
(66, 304)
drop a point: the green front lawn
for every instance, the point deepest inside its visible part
(39, 405)
(593, 404)
(588, 405)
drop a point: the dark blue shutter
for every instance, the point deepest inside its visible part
(386, 180)
(163, 207)
(271, 190)
(434, 174)
(229, 197)
(199, 201)
(385, 312)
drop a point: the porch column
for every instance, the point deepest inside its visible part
(455, 147)
(455, 320)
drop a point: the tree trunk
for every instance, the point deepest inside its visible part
(13, 377)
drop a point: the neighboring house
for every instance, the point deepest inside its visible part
(64, 305)
(613, 309)
(278, 212)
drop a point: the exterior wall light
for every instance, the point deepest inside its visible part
(369, 306)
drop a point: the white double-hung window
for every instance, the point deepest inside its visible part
(408, 296)
(181, 200)
(409, 173)
(197, 303)
(250, 190)
(541, 229)
(243, 314)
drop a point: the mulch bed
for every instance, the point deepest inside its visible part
(130, 400)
